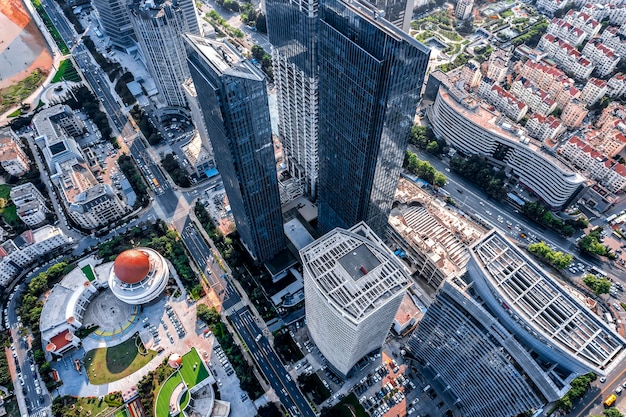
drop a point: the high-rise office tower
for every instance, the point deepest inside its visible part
(370, 77)
(507, 338)
(233, 97)
(159, 29)
(353, 287)
(113, 15)
(293, 28)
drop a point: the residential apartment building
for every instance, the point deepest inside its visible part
(609, 173)
(28, 247)
(584, 22)
(353, 287)
(603, 57)
(233, 97)
(567, 56)
(12, 157)
(613, 38)
(30, 204)
(370, 79)
(512, 107)
(574, 114)
(616, 86)
(549, 7)
(472, 128)
(593, 91)
(463, 9)
(543, 128)
(559, 28)
(471, 75)
(535, 98)
(507, 338)
(159, 29)
(498, 65)
(90, 204)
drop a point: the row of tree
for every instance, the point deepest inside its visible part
(244, 371)
(477, 170)
(590, 243)
(265, 60)
(130, 171)
(178, 174)
(84, 100)
(543, 215)
(424, 170)
(146, 126)
(598, 285)
(424, 138)
(557, 259)
(578, 388)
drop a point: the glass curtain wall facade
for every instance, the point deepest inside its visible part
(233, 97)
(370, 77)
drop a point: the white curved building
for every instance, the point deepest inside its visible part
(138, 275)
(507, 337)
(471, 128)
(353, 287)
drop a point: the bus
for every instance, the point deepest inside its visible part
(610, 400)
(609, 318)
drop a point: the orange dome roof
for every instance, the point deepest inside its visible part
(131, 266)
(175, 360)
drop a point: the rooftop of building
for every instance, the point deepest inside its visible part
(407, 310)
(527, 290)
(354, 270)
(223, 57)
(45, 126)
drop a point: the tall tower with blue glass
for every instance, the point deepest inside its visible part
(370, 78)
(232, 94)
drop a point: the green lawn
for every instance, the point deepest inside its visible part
(163, 398)
(190, 375)
(350, 407)
(88, 271)
(122, 413)
(5, 191)
(87, 404)
(66, 72)
(9, 211)
(104, 365)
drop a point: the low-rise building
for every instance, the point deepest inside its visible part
(12, 157)
(593, 91)
(498, 65)
(584, 22)
(434, 239)
(23, 250)
(543, 128)
(30, 204)
(603, 57)
(534, 97)
(567, 56)
(597, 166)
(561, 29)
(502, 100)
(574, 114)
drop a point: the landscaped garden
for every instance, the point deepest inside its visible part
(104, 365)
(88, 406)
(350, 407)
(66, 72)
(192, 372)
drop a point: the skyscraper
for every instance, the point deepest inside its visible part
(233, 97)
(370, 77)
(293, 28)
(113, 15)
(353, 286)
(507, 338)
(159, 30)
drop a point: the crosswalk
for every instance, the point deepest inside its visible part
(39, 413)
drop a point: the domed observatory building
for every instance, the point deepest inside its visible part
(138, 275)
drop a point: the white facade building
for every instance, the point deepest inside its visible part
(593, 91)
(463, 9)
(603, 57)
(159, 30)
(12, 157)
(30, 204)
(353, 287)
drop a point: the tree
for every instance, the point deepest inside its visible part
(598, 285)
(208, 315)
(613, 412)
(559, 260)
(261, 23)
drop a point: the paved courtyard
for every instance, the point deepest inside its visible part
(109, 313)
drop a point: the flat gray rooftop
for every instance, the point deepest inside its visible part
(359, 262)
